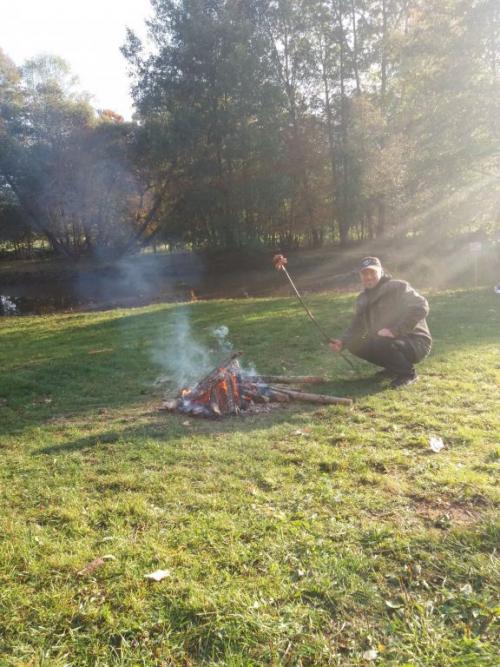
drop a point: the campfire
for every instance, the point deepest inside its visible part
(228, 390)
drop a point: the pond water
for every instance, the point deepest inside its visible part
(179, 278)
(101, 292)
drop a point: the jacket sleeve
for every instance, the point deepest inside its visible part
(357, 327)
(414, 308)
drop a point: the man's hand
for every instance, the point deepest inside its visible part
(336, 345)
(385, 333)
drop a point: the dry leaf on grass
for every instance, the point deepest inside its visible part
(158, 575)
(436, 444)
(393, 604)
(90, 567)
(370, 655)
(94, 564)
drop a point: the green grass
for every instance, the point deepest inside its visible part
(302, 536)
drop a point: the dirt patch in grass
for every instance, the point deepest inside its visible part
(443, 513)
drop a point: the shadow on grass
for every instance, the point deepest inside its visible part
(170, 428)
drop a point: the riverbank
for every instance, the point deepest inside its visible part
(45, 286)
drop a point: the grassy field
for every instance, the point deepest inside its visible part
(302, 536)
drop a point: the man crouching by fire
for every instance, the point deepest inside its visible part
(389, 328)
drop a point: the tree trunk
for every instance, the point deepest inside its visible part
(344, 217)
(383, 59)
(330, 132)
(355, 48)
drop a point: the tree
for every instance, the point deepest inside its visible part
(211, 112)
(276, 122)
(448, 113)
(71, 173)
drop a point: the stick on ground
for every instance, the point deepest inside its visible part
(314, 398)
(291, 379)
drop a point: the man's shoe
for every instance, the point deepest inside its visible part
(404, 380)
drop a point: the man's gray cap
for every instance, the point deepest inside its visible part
(368, 262)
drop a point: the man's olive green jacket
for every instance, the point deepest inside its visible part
(395, 305)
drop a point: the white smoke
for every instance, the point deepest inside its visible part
(221, 334)
(184, 359)
(7, 306)
(180, 355)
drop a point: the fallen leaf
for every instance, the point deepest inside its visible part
(392, 604)
(436, 444)
(417, 569)
(466, 589)
(97, 562)
(444, 521)
(370, 655)
(158, 575)
(90, 567)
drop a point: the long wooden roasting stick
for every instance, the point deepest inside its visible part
(280, 262)
(314, 398)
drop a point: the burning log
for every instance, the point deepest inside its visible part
(227, 391)
(279, 396)
(214, 375)
(171, 405)
(315, 398)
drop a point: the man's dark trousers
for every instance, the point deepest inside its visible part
(397, 355)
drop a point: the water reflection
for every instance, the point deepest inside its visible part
(89, 293)
(137, 282)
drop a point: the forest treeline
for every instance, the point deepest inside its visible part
(263, 123)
